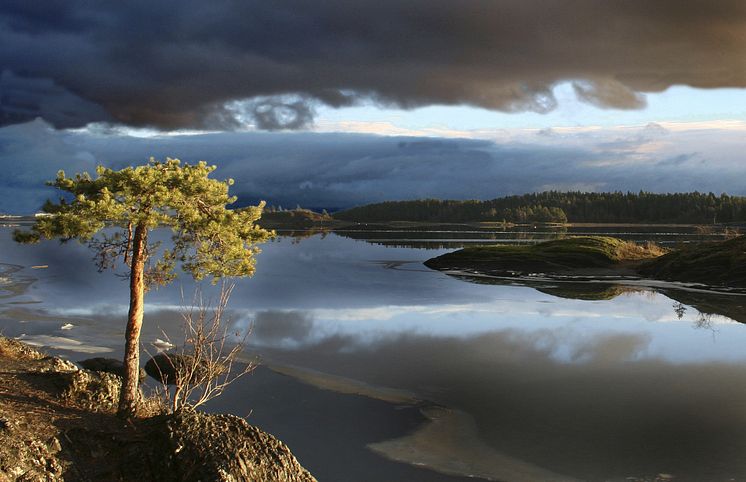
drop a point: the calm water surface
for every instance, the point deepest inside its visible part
(376, 368)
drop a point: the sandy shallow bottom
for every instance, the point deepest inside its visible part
(447, 441)
(450, 443)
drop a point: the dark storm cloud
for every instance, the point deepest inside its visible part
(273, 114)
(22, 99)
(180, 64)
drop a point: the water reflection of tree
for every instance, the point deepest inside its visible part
(431, 245)
(298, 236)
(705, 304)
(679, 309)
(449, 237)
(708, 304)
(703, 321)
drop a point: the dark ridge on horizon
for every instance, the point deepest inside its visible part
(561, 207)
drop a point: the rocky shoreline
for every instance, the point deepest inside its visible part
(58, 422)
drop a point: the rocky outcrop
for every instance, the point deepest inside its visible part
(95, 391)
(58, 422)
(714, 263)
(196, 446)
(29, 446)
(583, 255)
(11, 349)
(717, 264)
(167, 368)
(27, 457)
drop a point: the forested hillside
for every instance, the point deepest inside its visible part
(554, 206)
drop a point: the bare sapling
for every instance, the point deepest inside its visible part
(206, 362)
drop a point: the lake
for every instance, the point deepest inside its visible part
(375, 368)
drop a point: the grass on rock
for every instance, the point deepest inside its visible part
(556, 255)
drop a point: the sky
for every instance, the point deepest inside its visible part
(332, 104)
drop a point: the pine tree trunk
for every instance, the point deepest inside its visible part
(130, 395)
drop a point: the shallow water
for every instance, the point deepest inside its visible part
(499, 379)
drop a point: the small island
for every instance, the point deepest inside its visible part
(714, 263)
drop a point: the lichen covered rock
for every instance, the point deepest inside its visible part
(28, 458)
(96, 391)
(205, 447)
(16, 350)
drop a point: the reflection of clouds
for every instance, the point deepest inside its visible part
(611, 348)
(487, 316)
(276, 326)
(606, 410)
(383, 313)
(560, 345)
(508, 307)
(633, 315)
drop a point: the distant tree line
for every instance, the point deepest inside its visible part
(560, 207)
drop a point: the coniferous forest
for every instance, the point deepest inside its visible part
(560, 207)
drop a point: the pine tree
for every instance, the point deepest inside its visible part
(208, 240)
